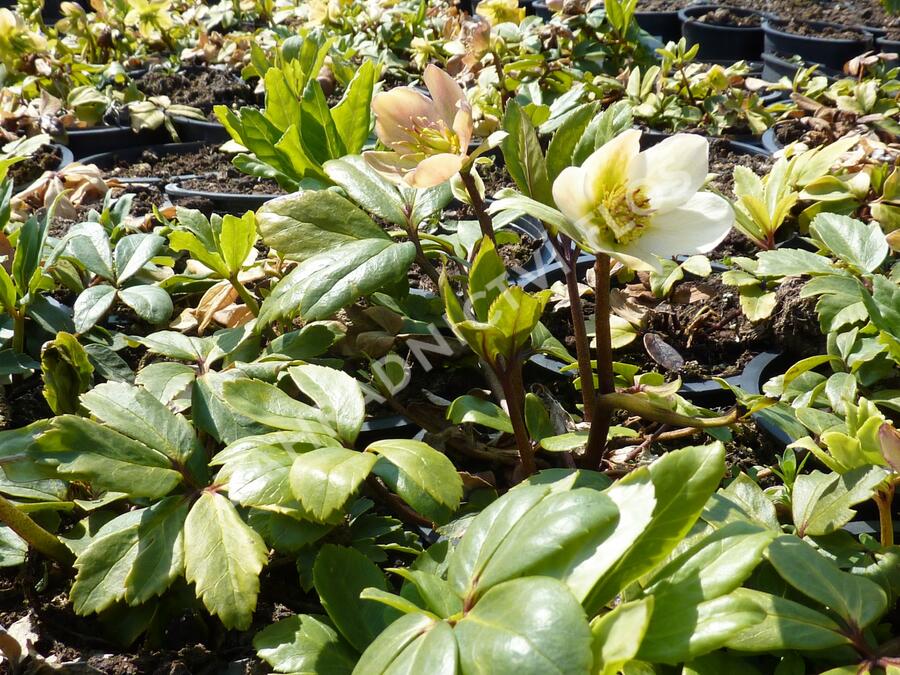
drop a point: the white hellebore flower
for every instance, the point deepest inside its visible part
(635, 206)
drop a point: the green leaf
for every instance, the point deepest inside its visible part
(523, 155)
(529, 626)
(307, 223)
(324, 480)
(160, 552)
(562, 530)
(857, 600)
(223, 557)
(715, 566)
(692, 631)
(787, 625)
(744, 492)
(151, 303)
(478, 411)
(91, 305)
(434, 591)
(352, 114)
(820, 503)
(66, 371)
(325, 283)
(136, 413)
(258, 476)
(515, 313)
(788, 262)
(863, 246)
(487, 279)
(561, 151)
(85, 450)
(304, 644)
(368, 188)
(337, 395)
(683, 481)
(423, 477)
(165, 379)
(537, 419)
(340, 575)
(133, 252)
(617, 635)
(236, 239)
(267, 404)
(408, 633)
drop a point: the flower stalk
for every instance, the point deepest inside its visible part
(36, 536)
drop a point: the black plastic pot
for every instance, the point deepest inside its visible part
(391, 426)
(762, 368)
(200, 130)
(884, 45)
(107, 160)
(830, 52)
(775, 67)
(664, 25)
(770, 141)
(85, 142)
(543, 255)
(540, 9)
(221, 202)
(733, 43)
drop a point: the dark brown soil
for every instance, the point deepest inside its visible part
(661, 5)
(205, 160)
(201, 88)
(23, 403)
(234, 182)
(722, 160)
(822, 32)
(725, 17)
(821, 133)
(45, 158)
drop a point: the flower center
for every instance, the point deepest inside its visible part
(430, 138)
(623, 212)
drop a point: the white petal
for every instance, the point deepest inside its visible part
(697, 227)
(569, 195)
(609, 165)
(672, 171)
(434, 170)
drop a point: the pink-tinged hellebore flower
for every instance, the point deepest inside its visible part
(428, 137)
(635, 206)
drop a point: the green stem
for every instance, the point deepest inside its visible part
(246, 296)
(884, 499)
(484, 220)
(18, 341)
(602, 416)
(36, 536)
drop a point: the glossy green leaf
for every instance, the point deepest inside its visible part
(561, 528)
(133, 251)
(337, 395)
(683, 481)
(85, 450)
(307, 223)
(863, 246)
(304, 644)
(487, 279)
(324, 480)
(259, 476)
(236, 239)
(857, 600)
(617, 635)
(267, 404)
(340, 575)
(821, 502)
(523, 154)
(479, 411)
(66, 371)
(404, 633)
(160, 552)
(368, 188)
(91, 305)
(329, 281)
(151, 303)
(528, 626)
(223, 557)
(787, 625)
(423, 477)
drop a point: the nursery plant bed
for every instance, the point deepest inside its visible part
(723, 32)
(830, 44)
(225, 192)
(201, 88)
